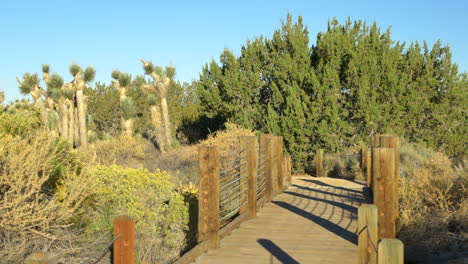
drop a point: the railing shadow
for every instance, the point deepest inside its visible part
(332, 186)
(277, 252)
(349, 198)
(343, 206)
(330, 226)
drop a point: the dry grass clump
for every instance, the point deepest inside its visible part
(344, 165)
(122, 150)
(42, 183)
(433, 202)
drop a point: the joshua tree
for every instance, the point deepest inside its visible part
(122, 81)
(31, 85)
(161, 81)
(80, 79)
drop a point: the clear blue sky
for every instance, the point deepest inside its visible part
(116, 34)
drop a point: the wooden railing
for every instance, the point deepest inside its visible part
(232, 189)
(377, 241)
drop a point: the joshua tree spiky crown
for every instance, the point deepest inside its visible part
(54, 86)
(29, 82)
(45, 68)
(74, 69)
(89, 74)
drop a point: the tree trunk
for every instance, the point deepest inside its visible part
(166, 121)
(82, 118)
(76, 128)
(157, 124)
(71, 122)
(40, 104)
(64, 119)
(127, 127)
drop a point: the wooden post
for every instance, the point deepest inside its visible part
(250, 142)
(287, 171)
(274, 167)
(383, 170)
(389, 141)
(369, 168)
(265, 140)
(279, 163)
(367, 224)
(365, 164)
(391, 251)
(124, 246)
(319, 163)
(208, 195)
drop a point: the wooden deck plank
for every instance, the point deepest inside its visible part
(313, 221)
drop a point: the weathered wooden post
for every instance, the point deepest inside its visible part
(124, 246)
(319, 172)
(366, 164)
(391, 141)
(208, 195)
(367, 225)
(391, 251)
(249, 143)
(279, 163)
(265, 140)
(383, 170)
(287, 171)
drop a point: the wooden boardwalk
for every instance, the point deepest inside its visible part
(313, 221)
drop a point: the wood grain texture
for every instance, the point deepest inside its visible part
(249, 142)
(279, 163)
(319, 172)
(383, 171)
(265, 142)
(124, 246)
(208, 195)
(368, 233)
(391, 251)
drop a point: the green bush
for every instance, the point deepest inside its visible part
(19, 123)
(160, 213)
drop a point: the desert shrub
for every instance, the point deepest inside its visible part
(151, 199)
(19, 123)
(343, 165)
(190, 194)
(122, 150)
(33, 205)
(433, 212)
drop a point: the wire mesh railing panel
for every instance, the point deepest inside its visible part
(232, 186)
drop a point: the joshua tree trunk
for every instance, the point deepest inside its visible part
(71, 122)
(127, 126)
(40, 104)
(158, 129)
(81, 117)
(64, 119)
(166, 121)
